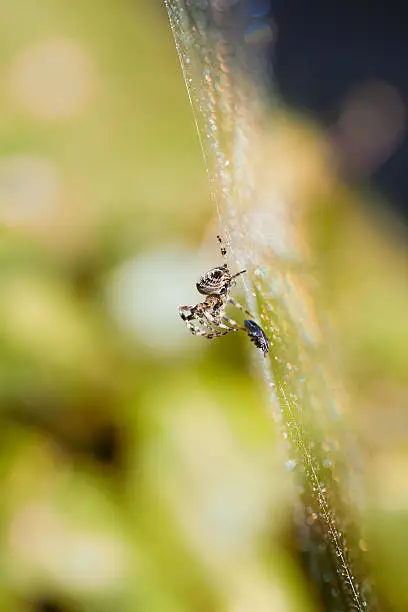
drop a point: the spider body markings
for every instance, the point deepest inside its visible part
(257, 336)
(217, 281)
(208, 318)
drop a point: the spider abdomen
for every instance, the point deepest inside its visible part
(215, 281)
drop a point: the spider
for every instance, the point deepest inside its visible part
(208, 318)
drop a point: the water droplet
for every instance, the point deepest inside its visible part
(261, 272)
(362, 544)
(290, 464)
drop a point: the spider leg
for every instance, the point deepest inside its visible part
(207, 329)
(220, 317)
(224, 255)
(188, 314)
(217, 322)
(238, 305)
(199, 327)
(216, 333)
(222, 247)
(237, 274)
(194, 329)
(191, 313)
(232, 324)
(200, 324)
(212, 322)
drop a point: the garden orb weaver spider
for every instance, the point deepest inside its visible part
(208, 318)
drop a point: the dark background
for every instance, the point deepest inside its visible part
(325, 49)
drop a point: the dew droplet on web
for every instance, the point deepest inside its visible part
(290, 464)
(362, 544)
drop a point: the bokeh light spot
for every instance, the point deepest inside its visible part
(144, 294)
(52, 79)
(30, 189)
(371, 125)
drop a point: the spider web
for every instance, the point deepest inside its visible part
(222, 54)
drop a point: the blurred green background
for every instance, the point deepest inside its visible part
(119, 432)
(139, 469)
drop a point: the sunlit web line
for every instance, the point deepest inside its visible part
(199, 74)
(324, 506)
(198, 69)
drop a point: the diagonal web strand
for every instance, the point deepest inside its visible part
(223, 64)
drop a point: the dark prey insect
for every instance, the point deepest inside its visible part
(208, 318)
(257, 336)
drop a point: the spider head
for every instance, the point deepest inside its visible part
(215, 282)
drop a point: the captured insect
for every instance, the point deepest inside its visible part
(257, 336)
(208, 318)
